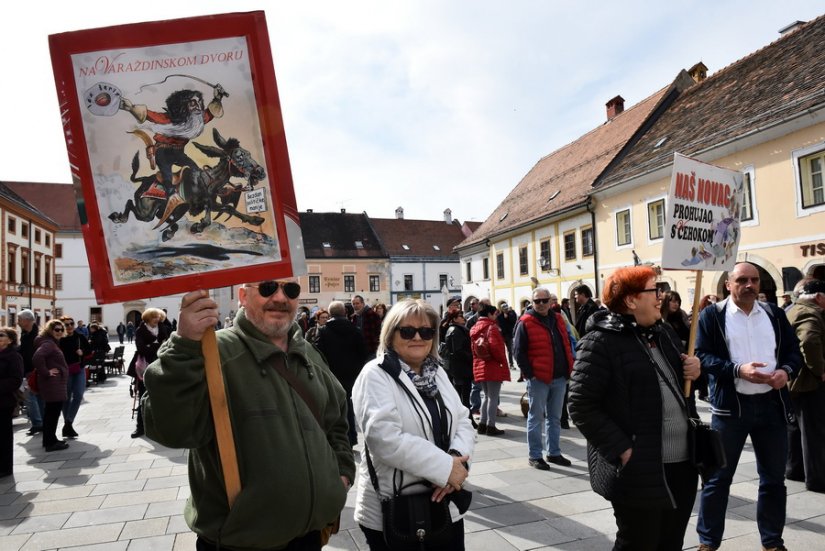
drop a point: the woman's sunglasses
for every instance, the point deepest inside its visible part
(58, 329)
(408, 333)
(269, 288)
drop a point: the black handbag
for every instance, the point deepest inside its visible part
(708, 453)
(414, 521)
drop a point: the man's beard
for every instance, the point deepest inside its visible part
(192, 128)
(272, 329)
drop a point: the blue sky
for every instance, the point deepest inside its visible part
(425, 105)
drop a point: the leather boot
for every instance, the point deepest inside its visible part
(68, 431)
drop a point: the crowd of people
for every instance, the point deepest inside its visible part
(420, 389)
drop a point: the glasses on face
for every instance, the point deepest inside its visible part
(269, 288)
(69, 324)
(58, 329)
(541, 300)
(653, 290)
(408, 333)
(3, 335)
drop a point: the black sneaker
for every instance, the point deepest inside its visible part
(68, 431)
(482, 428)
(539, 464)
(559, 460)
(493, 431)
(34, 430)
(138, 433)
(564, 423)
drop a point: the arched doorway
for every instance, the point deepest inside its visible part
(134, 317)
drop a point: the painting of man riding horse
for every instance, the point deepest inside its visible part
(178, 154)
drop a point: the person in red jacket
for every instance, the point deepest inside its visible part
(545, 357)
(489, 366)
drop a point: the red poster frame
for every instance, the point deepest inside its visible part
(250, 26)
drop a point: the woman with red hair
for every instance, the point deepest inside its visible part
(626, 398)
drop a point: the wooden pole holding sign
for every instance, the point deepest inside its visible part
(220, 416)
(694, 323)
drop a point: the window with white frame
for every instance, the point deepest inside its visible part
(349, 283)
(500, 265)
(587, 241)
(522, 260)
(570, 245)
(623, 227)
(812, 179)
(656, 219)
(314, 284)
(545, 262)
(485, 268)
(408, 282)
(375, 283)
(469, 266)
(747, 197)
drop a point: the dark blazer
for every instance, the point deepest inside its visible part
(712, 349)
(343, 346)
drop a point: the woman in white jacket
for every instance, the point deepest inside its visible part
(397, 422)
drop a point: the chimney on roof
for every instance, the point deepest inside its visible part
(343, 211)
(399, 213)
(309, 210)
(698, 72)
(448, 216)
(614, 107)
(791, 27)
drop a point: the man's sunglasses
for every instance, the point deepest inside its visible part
(541, 300)
(408, 333)
(269, 288)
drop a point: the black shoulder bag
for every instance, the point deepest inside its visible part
(412, 522)
(706, 450)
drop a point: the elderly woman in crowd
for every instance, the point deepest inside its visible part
(149, 336)
(52, 377)
(626, 398)
(11, 377)
(413, 422)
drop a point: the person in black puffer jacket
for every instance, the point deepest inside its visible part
(458, 356)
(343, 346)
(626, 398)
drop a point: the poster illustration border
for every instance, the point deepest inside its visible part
(249, 26)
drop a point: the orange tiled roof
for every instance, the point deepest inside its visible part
(785, 79)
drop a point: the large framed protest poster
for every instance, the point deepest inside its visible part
(178, 155)
(702, 226)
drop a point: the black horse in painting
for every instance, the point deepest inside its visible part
(205, 190)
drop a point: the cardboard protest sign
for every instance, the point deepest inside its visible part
(178, 155)
(702, 226)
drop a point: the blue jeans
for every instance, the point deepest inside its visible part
(764, 420)
(475, 396)
(75, 387)
(35, 408)
(545, 402)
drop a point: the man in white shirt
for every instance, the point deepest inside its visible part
(749, 351)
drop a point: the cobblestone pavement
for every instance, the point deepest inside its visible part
(108, 491)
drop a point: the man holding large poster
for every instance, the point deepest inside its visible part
(295, 472)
